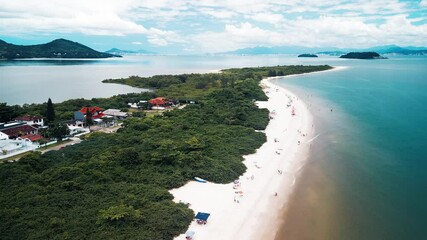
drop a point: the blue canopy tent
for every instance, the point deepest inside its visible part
(202, 217)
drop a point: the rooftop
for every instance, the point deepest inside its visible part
(32, 137)
(12, 131)
(28, 118)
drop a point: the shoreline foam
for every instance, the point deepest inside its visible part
(255, 214)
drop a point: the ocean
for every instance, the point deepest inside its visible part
(366, 177)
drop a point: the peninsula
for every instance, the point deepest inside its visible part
(237, 128)
(363, 55)
(59, 48)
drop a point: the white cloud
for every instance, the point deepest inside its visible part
(221, 25)
(324, 32)
(157, 41)
(87, 17)
(163, 38)
(268, 18)
(221, 14)
(236, 36)
(137, 43)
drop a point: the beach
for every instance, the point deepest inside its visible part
(250, 208)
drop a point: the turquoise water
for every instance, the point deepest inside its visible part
(367, 174)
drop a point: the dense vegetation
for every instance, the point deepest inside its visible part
(59, 48)
(196, 86)
(362, 55)
(115, 186)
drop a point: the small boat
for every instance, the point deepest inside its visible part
(200, 180)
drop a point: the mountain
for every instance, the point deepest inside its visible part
(362, 55)
(117, 51)
(333, 51)
(59, 48)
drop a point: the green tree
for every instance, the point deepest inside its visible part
(88, 119)
(128, 157)
(58, 131)
(139, 114)
(6, 112)
(120, 212)
(272, 73)
(50, 113)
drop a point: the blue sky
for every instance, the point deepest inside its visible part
(204, 26)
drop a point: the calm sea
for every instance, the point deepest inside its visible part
(34, 81)
(367, 174)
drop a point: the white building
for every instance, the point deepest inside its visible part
(115, 113)
(31, 120)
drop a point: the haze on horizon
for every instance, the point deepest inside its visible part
(180, 27)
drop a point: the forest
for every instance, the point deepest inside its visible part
(115, 186)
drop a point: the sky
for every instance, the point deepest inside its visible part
(208, 26)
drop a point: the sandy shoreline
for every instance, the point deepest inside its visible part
(252, 210)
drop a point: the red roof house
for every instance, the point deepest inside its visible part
(95, 111)
(19, 131)
(32, 137)
(160, 101)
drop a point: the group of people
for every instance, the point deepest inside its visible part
(201, 222)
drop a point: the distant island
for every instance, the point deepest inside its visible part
(363, 55)
(59, 48)
(307, 55)
(332, 51)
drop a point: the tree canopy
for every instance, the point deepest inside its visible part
(50, 112)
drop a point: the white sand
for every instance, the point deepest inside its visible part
(256, 215)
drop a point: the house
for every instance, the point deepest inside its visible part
(159, 103)
(137, 105)
(96, 113)
(75, 129)
(115, 113)
(133, 105)
(35, 121)
(9, 147)
(15, 130)
(32, 137)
